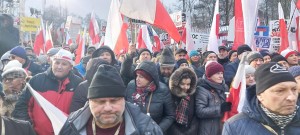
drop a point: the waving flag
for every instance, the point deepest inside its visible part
(239, 38)
(39, 40)
(115, 35)
(49, 42)
(68, 39)
(143, 40)
(284, 44)
(151, 11)
(293, 32)
(81, 48)
(213, 43)
(158, 43)
(94, 30)
(298, 4)
(237, 91)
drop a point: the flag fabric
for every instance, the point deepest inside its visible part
(143, 40)
(152, 12)
(213, 42)
(239, 38)
(284, 44)
(78, 37)
(298, 4)
(293, 31)
(186, 35)
(40, 40)
(158, 43)
(94, 30)
(101, 42)
(55, 115)
(68, 39)
(49, 42)
(81, 48)
(237, 91)
(115, 35)
(250, 9)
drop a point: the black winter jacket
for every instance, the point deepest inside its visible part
(127, 69)
(230, 71)
(32, 67)
(162, 109)
(136, 122)
(252, 120)
(209, 97)
(16, 127)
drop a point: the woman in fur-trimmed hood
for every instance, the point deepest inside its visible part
(183, 84)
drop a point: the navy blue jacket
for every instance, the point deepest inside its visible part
(252, 118)
(230, 71)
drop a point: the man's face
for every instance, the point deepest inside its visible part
(28, 51)
(257, 62)
(61, 68)
(211, 57)
(250, 79)
(223, 53)
(13, 84)
(195, 58)
(233, 56)
(267, 59)
(145, 56)
(281, 98)
(292, 59)
(106, 56)
(107, 112)
(166, 71)
(284, 64)
(179, 56)
(15, 57)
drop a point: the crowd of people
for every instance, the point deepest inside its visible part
(172, 92)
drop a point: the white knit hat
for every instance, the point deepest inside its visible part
(14, 66)
(287, 52)
(63, 54)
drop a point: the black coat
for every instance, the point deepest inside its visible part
(230, 71)
(177, 95)
(127, 69)
(16, 127)
(209, 97)
(162, 109)
(33, 67)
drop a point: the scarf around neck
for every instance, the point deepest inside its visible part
(139, 96)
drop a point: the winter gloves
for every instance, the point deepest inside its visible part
(225, 107)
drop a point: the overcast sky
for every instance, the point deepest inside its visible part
(81, 7)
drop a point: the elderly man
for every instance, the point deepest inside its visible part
(107, 112)
(166, 65)
(56, 85)
(180, 54)
(271, 105)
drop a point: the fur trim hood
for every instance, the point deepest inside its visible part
(175, 80)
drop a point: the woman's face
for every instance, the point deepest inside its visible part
(185, 84)
(217, 77)
(141, 81)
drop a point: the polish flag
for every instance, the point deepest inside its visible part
(283, 32)
(49, 42)
(213, 42)
(186, 35)
(39, 42)
(293, 31)
(78, 38)
(250, 9)
(152, 12)
(239, 38)
(237, 92)
(68, 39)
(143, 40)
(101, 41)
(94, 30)
(115, 34)
(298, 4)
(81, 48)
(158, 43)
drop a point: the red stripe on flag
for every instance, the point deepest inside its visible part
(122, 42)
(239, 25)
(284, 44)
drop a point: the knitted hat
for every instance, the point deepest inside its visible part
(243, 48)
(270, 74)
(63, 54)
(193, 53)
(264, 52)
(278, 58)
(107, 82)
(230, 53)
(295, 71)
(222, 47)
(287, 52)
(253, 55)
(14, 67)
(167, 57)
(213, 68)
(179, 62)
(52, 51)
(249, 69)
(180, 50)
(143, 50)
(19, 51)
(144, 74)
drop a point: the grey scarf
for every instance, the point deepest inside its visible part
(280, 120)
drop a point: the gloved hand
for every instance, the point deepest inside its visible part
(226, 106)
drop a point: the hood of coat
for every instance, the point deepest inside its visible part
(150, 68)
(175, 81)
(103, 49)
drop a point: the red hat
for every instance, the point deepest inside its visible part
(213, 68)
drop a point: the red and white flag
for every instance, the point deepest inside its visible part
(39, 40)
(237, 92)
(186, 35)
(293, 32)
(150, 11)
(250, 8)
(284, 44)
(143, 40)
(78, 38)
(115, 35)
(239, 38)
(81, 48)
(298, 4)
(94, 30)
(158, 43)
(101, 42)
(68, 39)
(49, 42)
(213, 42)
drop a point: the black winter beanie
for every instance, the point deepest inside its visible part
(143, 50)
(243, 48)
(107, 82)
(167, 58)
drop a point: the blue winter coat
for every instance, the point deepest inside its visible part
(230, 71)
(252, 120)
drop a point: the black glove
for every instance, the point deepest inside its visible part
(226, 106)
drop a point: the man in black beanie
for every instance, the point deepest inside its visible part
(107, 112)
(231, 68)
(270, 106)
